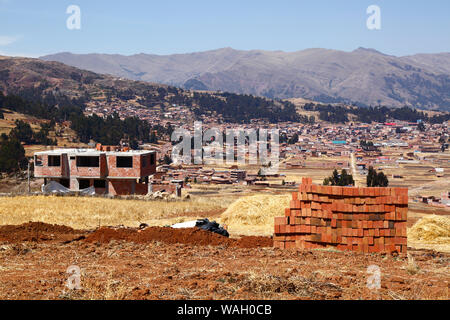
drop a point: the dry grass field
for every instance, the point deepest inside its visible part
(91, 213)
(251, 215)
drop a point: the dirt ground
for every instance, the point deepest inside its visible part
(162, 263)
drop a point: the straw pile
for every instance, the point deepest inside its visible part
(431, 230)
(255, 215)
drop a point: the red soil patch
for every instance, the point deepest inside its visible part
(255, 242)
(36, 231)
(40, 232)
(192, 236)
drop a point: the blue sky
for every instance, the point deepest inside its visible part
(34, 28)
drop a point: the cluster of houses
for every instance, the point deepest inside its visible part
(174, 114)
(370, 144)
(443, 201)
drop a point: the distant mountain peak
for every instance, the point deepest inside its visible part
(369, 50)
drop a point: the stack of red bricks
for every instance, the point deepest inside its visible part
(344, 218)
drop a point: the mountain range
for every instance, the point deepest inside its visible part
(363, 76)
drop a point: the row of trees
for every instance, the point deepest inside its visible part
(344, 179)
(39, 108)
(375, 179)
(111, 130)
(238, 108)
(380, 114)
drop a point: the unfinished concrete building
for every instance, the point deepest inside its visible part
(109, 170)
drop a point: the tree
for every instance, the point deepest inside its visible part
(169, 129)
(167, 159)
(344, 179)
(153, 138)
(294, 139)
(22, 132)
(442, 139)
(12, 155)
(347, 179)
(41, 137)
(375, 179)
(421, 127)
(134, 144)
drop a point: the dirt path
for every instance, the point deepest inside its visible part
(359, 180)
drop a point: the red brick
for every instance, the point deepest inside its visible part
(290, 245)
(337, 191)
(377, 232)
(316, 206)
(399, 192)
(300, 244)
(360, 233)
(403, 199)
(377, 192)
(279, 244)
(279, 238)
(400, 240)
(347, 191)
(280, 220)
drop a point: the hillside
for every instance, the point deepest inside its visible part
(62, 86)
(364, 76)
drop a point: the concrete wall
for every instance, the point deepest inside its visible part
(354, 219)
